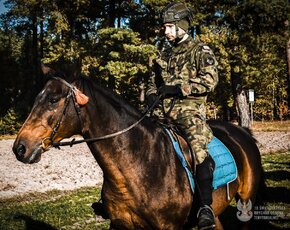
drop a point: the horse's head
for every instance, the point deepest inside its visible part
(53, 117)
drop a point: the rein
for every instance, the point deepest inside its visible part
(70, 94)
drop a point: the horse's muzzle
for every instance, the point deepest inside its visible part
(20, 152)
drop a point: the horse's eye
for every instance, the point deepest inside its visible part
(53, 100)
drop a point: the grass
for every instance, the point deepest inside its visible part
(277, 175)
(275, 212)
(72, 210)
(52, 210)
(268, 126)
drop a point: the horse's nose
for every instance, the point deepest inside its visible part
(20, 150)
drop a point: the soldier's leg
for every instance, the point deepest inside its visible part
(200, 135)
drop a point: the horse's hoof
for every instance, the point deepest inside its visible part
(99, 210)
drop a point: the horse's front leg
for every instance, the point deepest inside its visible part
(99, 209)
(218, 224)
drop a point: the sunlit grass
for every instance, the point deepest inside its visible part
(53, 210)
(271, 126)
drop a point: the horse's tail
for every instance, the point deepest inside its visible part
(262, 194)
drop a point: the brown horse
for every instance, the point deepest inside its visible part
(145, 186)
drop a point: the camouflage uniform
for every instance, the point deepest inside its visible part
(193, 67)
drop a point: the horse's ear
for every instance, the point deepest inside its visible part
(47, 71)
(68, 70)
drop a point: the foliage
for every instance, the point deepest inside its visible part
(123, 61)
(112, 41)
(9, 124)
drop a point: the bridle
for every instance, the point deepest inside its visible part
(72, 94)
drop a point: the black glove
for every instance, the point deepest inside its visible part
(169, 91)
(151, 98)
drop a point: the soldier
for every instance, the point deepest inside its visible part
(187, 73)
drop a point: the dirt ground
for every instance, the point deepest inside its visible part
(72, 168)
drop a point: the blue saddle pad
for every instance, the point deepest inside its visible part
(225, 166)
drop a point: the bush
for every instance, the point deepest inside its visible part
(10, 123)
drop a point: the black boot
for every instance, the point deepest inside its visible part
(205, 217)
(204, 177)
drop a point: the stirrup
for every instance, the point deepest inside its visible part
(209, 222)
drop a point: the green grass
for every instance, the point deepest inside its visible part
(274, 213)
(53, 210)
(277, 175)
(72, 210)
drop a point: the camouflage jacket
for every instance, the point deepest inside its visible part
(189, 64)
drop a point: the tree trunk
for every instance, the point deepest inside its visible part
(37, 80)
(41, 36)
(243, 109)
(111, 14)
(288, 65)
(240, 98)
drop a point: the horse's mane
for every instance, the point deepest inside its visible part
(94, 91)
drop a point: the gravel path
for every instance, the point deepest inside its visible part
(64, 169)
(72, 168)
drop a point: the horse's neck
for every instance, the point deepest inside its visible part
(112, 153)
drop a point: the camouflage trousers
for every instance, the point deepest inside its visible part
(192, 118)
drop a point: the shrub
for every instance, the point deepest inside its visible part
(10, 122)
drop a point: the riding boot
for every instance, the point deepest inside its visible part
(204, 177)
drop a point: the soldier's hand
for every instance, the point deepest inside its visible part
(151, 98)
(167, 91)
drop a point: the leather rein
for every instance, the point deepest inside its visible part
(72, 95)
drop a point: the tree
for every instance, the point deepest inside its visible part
(111, 41)
(123, 62)
(251, 22)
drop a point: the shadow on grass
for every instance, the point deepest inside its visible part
(277, 175)
(278, 194)
(230, 221)
(32, 224)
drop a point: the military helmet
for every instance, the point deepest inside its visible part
(175, 12)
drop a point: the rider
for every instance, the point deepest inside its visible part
(187, 72)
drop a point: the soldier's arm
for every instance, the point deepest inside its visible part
(151, 86)
(155, 79)
(203, 78)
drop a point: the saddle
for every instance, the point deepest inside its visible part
(225, 170)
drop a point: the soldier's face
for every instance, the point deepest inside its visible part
(170, 31)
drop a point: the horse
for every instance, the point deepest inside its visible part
(144, 184)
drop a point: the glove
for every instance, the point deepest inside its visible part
(169, 91)
(151, 98)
